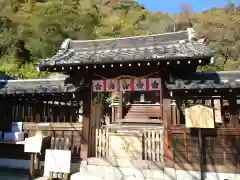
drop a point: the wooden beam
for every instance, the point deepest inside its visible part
(145, 121)
(29, 126)
(217, 131)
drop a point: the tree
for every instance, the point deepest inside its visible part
(34, 29)
(221, 30)
(21, 53)
(188, 13)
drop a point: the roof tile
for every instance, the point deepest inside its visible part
(129, 49)
(37, 86)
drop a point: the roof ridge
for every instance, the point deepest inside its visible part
(222, 72)
(32, 80)
(130, 37)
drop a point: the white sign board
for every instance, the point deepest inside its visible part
(33, 144)
(57, 161)
(199, 116)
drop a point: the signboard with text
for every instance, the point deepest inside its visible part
(199, 116)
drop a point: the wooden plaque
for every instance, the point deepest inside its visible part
(125, 146)
(199, 116)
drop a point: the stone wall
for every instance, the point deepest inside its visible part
(121, 169)
(125, 169)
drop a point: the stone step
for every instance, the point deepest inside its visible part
(147, 109)
(138, 120)
(84, 176)
(136, 116)
(125, 169)
(144, 113)
(83, 166)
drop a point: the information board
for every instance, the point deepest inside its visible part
(57, 161)
(199, 116)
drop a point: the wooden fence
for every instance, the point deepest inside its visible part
(101, 143)
(39, 111)
(151, 144)
(221, 149)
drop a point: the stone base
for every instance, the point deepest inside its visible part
(78, 176)
(123, 169)
(42, 178)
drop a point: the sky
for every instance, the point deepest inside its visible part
(173, 5)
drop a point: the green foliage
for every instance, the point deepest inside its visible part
(10, 66)
(221, 29)
(42, 26)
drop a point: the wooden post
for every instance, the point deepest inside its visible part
(121, 106)
(168, 154)
(32, 165)
(234, 111)
(200, 145)
(173, 112)
(87, 108)
(113, 114)
(161, 101)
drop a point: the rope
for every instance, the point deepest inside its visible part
(126, 76)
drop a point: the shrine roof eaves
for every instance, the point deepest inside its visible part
(206, 80)
(167, 46)
(37, 86)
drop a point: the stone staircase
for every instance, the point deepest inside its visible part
(143, 113)
(118, 169)
(128, 169)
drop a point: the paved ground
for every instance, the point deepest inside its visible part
(12, 175)
(42, 178)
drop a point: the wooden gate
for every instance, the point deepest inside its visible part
(146, 145)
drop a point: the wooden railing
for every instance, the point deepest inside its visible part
(226, 111)
(71, 132)
(28, 126)
(40, 111)
(153, 145)
(221, 149)
(148, 144)
(101, 142)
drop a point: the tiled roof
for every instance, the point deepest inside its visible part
(37, 86)
(207, 80)
(175, 45)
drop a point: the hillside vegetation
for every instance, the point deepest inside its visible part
(34, 29)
